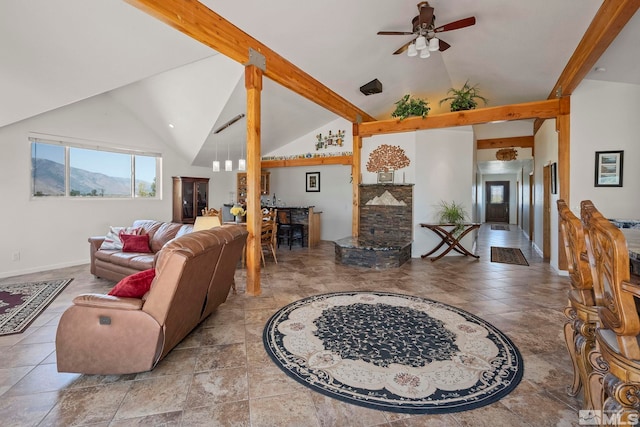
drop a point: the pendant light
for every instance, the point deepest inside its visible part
(216, 163)
(242, 162)
(228, 164)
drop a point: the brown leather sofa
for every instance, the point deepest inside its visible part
(113, 264)
(103, 334)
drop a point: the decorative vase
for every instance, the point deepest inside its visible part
(237, 219)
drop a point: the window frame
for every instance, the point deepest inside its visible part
(68, 144)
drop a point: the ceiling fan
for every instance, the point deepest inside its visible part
(424, 30)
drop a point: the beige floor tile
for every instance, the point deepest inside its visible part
(289, 410)
(154, 396)
(26, 410)
(234, 414)
(223, 385)
(86, 405)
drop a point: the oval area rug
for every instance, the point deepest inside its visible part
(393, 352)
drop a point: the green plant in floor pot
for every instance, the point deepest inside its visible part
(452, 213)
(464, 98)
(408, 106)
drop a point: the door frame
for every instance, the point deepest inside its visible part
(546, 212)
(507, 184)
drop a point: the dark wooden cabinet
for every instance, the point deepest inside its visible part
(190, 196)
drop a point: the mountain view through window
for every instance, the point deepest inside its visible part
(91, 172)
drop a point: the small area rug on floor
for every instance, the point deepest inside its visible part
(500, 227)
(393, 352)
(21, 303)
(508, 256)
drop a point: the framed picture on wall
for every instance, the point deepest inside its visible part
(554, 178)
(313, 182)
(609, 168)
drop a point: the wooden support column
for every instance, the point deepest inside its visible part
(355, 179)
(253, 85)
(564, 161)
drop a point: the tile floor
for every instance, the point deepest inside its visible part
(220, 374)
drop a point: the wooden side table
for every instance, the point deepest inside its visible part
(447, 237)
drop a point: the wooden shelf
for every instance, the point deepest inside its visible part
(311, 161)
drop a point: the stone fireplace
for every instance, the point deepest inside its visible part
(386, 228)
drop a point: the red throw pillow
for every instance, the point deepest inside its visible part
(135, 243)
(134, 286)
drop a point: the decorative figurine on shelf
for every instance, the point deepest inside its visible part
(238, 211)
(331, 139)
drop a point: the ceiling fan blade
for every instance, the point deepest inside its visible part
(403, 48)
(394, 33)
(443, 45)
(456, 25)
(426, 13)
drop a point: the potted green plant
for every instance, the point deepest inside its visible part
(408, 106)
(452, 213)
(464, 98)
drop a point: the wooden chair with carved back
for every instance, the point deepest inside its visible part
(212, 212)
(268, 233)
(617, 347)
(581, 311)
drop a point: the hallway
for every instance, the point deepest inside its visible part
(220, 374)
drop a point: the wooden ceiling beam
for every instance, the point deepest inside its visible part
(528, 110)
(204, 25)
(515, 141)
(610, 19)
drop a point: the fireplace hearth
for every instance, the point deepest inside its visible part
(386, 228)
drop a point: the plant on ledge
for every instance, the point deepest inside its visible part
(408, 106)
(464, 98)
(452, 213)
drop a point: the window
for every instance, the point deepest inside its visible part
(497, 194)
(61, 169)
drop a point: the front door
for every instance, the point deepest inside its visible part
(497, 201)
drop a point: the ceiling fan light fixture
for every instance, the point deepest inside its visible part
(424, 53)
(421, 43)
(434, 44)
(412, 51)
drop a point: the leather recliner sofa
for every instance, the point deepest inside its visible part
(114, 264)
(103, 334)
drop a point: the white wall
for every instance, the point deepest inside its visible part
(604, 116)
(444, 171)
(52, 233)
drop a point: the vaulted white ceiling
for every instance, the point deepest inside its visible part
(56, 52)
